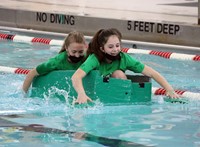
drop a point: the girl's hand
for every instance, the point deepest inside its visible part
(82, 98)
(172, 94)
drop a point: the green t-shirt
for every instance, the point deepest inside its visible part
(59, 62)
(125, 63)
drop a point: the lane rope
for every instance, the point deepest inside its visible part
(155, 90)
(48, 41)
(167, 55)
(183, 93)
(28, 39)
(14, 70)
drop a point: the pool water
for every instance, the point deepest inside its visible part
(27, 121)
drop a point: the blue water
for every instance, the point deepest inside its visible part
(158, 123)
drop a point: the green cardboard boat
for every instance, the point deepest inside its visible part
(58, 84)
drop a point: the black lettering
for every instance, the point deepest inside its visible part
(176, 29)
(60, 19)
(72, 20)
(129, 26)
(151, 26)
(141, 26)
(57, 18)
(171, 29)
(165, 28)
(159, 28)
(146, 26)
(136, 25)
(41, 17)
(52, 18)
(67, 19)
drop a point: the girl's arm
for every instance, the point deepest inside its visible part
(148, 71)
(78, 86)
(29, 79)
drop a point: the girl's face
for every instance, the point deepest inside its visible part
(112, 46)
(76, 49)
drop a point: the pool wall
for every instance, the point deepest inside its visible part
(139, 30)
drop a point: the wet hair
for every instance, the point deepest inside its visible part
(99, 40)
(73, 36)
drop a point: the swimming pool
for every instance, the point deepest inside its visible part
(158, 123)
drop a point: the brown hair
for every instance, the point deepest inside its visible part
(73, 36)
(99, 40)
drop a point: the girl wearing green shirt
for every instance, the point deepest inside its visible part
(104, 54)
(70, 57)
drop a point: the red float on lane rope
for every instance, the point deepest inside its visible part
(21, 71)
(41, 40)
(161, 54)
(161, 91)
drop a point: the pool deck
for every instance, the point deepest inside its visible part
(159, 21)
